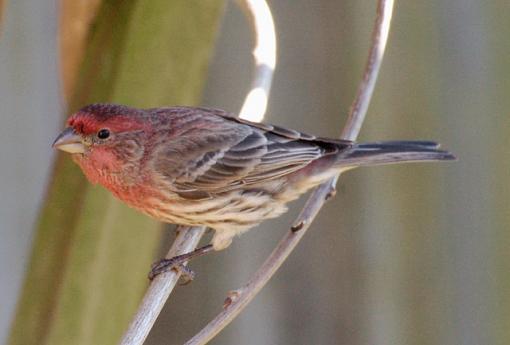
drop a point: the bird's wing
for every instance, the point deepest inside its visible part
(213, 152)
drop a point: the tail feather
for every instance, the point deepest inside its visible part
(388, 152)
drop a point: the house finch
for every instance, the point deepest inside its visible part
(198, 166)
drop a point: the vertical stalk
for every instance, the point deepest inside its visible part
(91, 254)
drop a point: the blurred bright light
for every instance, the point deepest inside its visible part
(265, 50)
(255, 105)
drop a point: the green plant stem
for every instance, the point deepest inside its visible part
(91, 254)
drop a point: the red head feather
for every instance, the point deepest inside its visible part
(117, 118)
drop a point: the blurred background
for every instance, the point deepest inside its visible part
(409, 254)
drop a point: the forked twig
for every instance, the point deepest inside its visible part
(254, 108)
(240, 298)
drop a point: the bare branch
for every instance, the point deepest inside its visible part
(359, 107)
(240, 298)
(254, 108)
(161, 288)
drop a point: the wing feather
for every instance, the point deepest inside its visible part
(217, 152)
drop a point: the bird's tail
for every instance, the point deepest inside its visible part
(388, 152)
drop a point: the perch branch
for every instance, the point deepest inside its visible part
(160, 288)
(254, 108)
(239, 299)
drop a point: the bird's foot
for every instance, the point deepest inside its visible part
(176, 264)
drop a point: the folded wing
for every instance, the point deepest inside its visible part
(214, 152)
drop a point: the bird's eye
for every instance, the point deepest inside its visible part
(103, 133)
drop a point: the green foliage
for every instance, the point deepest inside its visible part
(91, 254)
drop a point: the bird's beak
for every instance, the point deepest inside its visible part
(69, 141)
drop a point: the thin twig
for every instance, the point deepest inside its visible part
(359, 107)
(240, 298)
(254, 108)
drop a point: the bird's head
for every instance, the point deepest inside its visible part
(104, 138)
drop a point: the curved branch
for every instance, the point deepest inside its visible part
(254, 108)
(264, 52)
(380, 34)
(240, 298)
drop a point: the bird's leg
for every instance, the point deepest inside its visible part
(177, 263)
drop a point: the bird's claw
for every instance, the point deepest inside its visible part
(165, 265)
(187, 274)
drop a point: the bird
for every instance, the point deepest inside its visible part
(199, 166)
